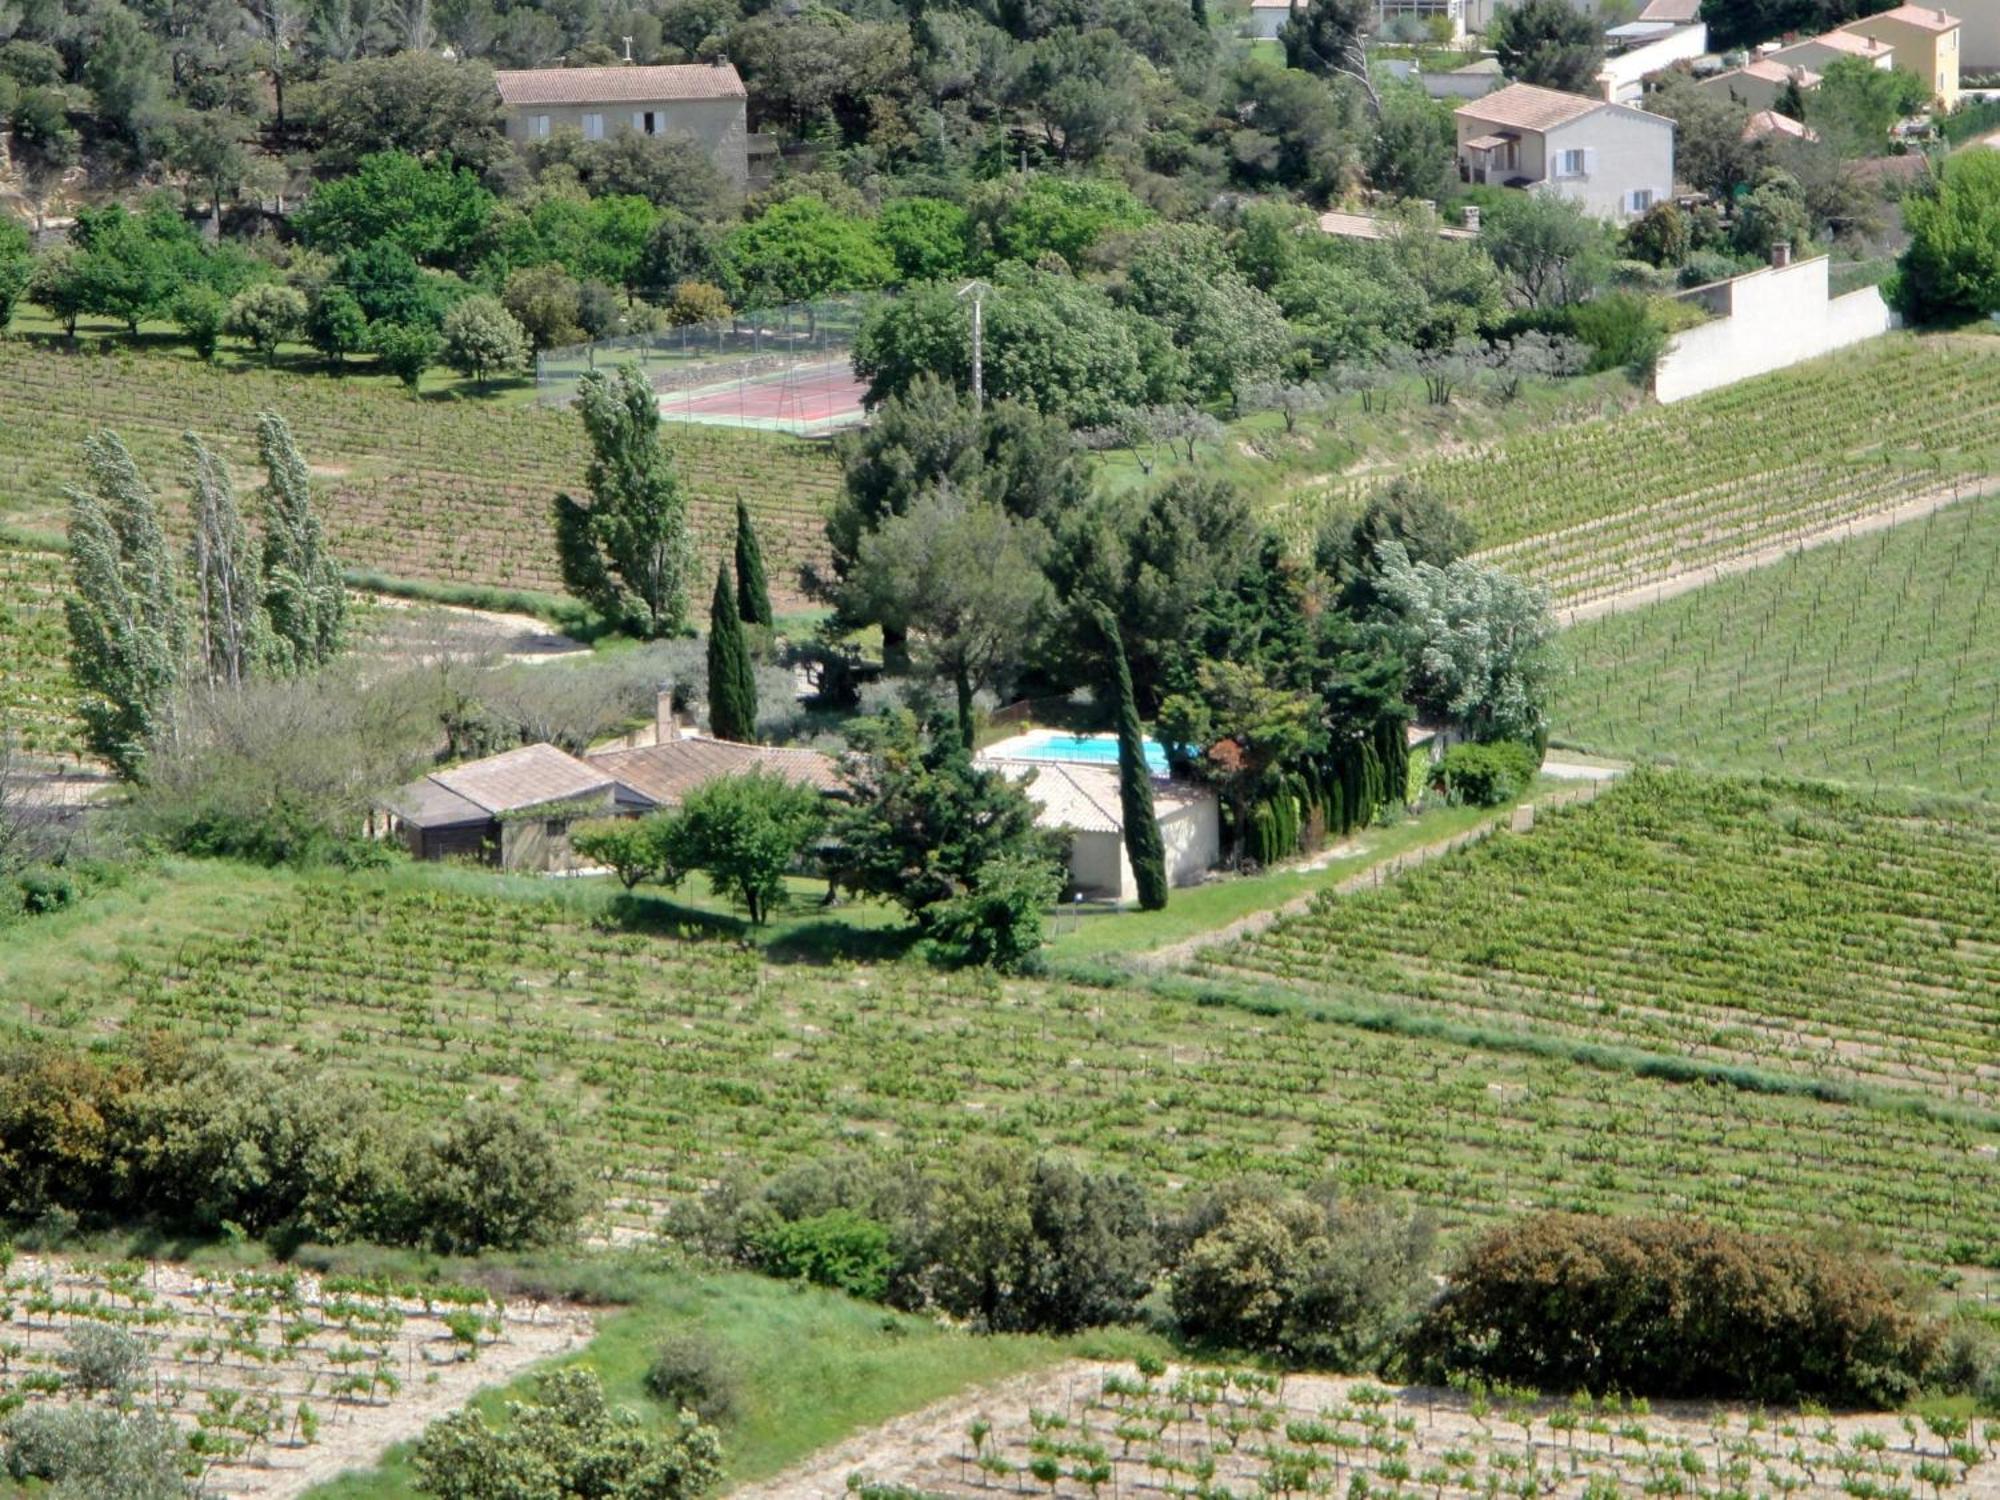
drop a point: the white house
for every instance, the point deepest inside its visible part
(1614, 159)
(1081, 802)
(704, 101)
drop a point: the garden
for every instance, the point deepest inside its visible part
(1870, 661)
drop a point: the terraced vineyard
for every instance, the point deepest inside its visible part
(278, 1379)
(1596, 508)
(1194, 1432)
(35, 692)
(1790, 927)
(448, 491)
(674, 1058)
(1871, 661)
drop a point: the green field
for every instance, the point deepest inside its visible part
(1786, 927)
(1871, 661)
(35, 692)
(675, 1056)
(444, 490)
(1594, 508)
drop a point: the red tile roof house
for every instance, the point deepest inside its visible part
(705, 101)
(1615, 160)
(513, 810)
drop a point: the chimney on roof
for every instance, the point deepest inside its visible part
(1781, 254)
(665, 730)
(1472, 217)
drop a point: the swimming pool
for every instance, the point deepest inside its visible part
(1089, 749)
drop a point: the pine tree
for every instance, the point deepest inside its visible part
(629, 553)
(753, 594)
(127, 628)
(732, 686)
(1143, 846)
(235, 636)
(303, 591)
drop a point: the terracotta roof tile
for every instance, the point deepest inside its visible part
(1078, 798)
(1926, 17)
(526, 777)
(679, 81)
(1526, 107)
(665, 774)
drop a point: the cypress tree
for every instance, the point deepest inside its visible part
(1143, 846)
(127, 628)
(753, 594)
(303, 590)
(732, 687)
(230, 613)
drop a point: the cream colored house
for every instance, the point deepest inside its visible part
(703, 101)
(1080, 801)
(1759, 83)
(1613, 159)
(1926, 43)
(1816, 52)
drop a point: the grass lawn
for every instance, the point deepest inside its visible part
(1096, 932)
(812, 1367)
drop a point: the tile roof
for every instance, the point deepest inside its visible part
(1671, 10)
(1775, 72)
(425, 804)
(1849, 42)
(525, 777)
(1077, 798)
(1352, 226)
(664, 774)
(1526, 107)
(1770, 122)
(1926, 17)
(619, 85)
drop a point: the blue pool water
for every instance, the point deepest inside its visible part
(1095, 749)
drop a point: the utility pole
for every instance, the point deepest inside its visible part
(977, 291)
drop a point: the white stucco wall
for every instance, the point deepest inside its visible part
(1627, 148)
(1777, 317)
(1098, 867)
(1621, 75)
(1193, 840)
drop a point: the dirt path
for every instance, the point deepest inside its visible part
(416, 629)
(1590, 780)
(1672, 585)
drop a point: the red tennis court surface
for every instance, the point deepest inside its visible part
(806, 399)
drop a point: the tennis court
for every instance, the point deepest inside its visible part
(803, 399)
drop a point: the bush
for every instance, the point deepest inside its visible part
(100, 1358)
(94, 1451)
(1624, 330)
(1318, 1280)
(497, 1179)
(686, 1372)
(840, 1249)
(999, 921)
(1675, 1308)
(1486, 775)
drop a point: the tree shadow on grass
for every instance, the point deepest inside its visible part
(792, 938)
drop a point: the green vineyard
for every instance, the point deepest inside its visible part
(1787, 927)
(1871, 661)
(679, 1058)
(1595, 508)
(36, 707)
(447, 491)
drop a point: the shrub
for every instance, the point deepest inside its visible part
(498, 1179)
(1486, 775)
(999, 921)
(100, 1358)
(1675, 1308)
(1624, 330)
(1319, 1280)
(92, 1450)
(688, 1373)
(840, 1249)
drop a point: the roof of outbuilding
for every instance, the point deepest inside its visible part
(1671, 10)
(1775, 72)
(1770, 122)
(625, 85)
(426, 804)
(664, 774)
(1850, 42)
(1524, 106)
(524, 777)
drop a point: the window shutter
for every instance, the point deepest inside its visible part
(639, 120)
(1589, 160)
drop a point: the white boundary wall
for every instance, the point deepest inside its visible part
(1766, 321)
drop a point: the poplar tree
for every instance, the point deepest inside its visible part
(732, 686)
(303, 591)
(629, 553)
(1143, 845)
(127, 629)
(753, 593)
(235, 636)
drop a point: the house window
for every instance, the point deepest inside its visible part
(593, 127)
(555, 828)
(1642, 199)
(646, 122)
(538, 126)
(1570, 163)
